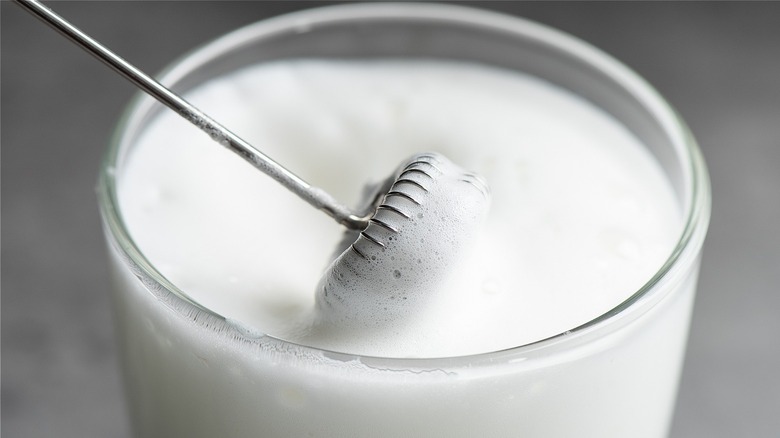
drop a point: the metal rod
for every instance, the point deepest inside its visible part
(314, 196)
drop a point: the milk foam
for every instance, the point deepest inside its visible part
(581, 215)
(380, 288)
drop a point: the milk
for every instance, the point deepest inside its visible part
(538, 331)
(581, 214)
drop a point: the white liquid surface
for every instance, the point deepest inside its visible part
(581, 215)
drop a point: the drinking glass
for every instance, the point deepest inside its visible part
(190, 372)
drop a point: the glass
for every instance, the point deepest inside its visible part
(567, 385)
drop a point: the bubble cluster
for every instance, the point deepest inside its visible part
(396, 268)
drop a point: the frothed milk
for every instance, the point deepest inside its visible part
(581, 215)
(306, 334)
(385, 293)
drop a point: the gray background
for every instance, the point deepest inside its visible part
(717, 63)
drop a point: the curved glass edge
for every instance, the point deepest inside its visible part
(696, 215)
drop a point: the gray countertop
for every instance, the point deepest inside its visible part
(717, 63)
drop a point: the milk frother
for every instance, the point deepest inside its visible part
(313, 195)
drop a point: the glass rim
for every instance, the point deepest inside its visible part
(695, 214)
